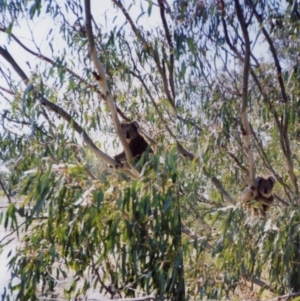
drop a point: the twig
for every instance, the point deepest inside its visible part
(7, 194)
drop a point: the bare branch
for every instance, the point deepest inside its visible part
(162, 4)
(244, 116)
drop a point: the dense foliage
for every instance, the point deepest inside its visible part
(216, 86)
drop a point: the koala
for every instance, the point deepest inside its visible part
(264, 194)
(136, 142)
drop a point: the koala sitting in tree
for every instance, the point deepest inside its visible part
(136, 142)
(264, 196)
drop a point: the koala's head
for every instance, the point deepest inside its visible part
(265, 186)
(130, 130)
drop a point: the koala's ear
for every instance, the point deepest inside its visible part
(136, 125)
(272, 179)
(258, 179)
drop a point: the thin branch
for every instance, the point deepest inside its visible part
(264, 157)
(16, 67)
(194, 236)
(285, 297)
(186, 121)
(283, 138)
(274, 54)
(7, 91)
(53, 63)
(186, 154)
(288, 153)
(61, 112)
(153, 102)
(150, 48)
(12, 232)
(238, 162)
(244, 116)
(162, 4)
(96, 270)
(6, 193)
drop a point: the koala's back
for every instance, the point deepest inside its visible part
(138, 145)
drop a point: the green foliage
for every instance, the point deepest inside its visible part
(128, 232)
(96, 227)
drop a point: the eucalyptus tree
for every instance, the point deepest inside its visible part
(70, 74)
(214, 86)
(238, 73)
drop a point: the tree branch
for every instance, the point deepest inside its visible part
(244, 116)
(61, 112)
(103, 85)
(283, 138)
(53, 63)
(148, 46)
(170, 42)
(287, 152)
(215, 181)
